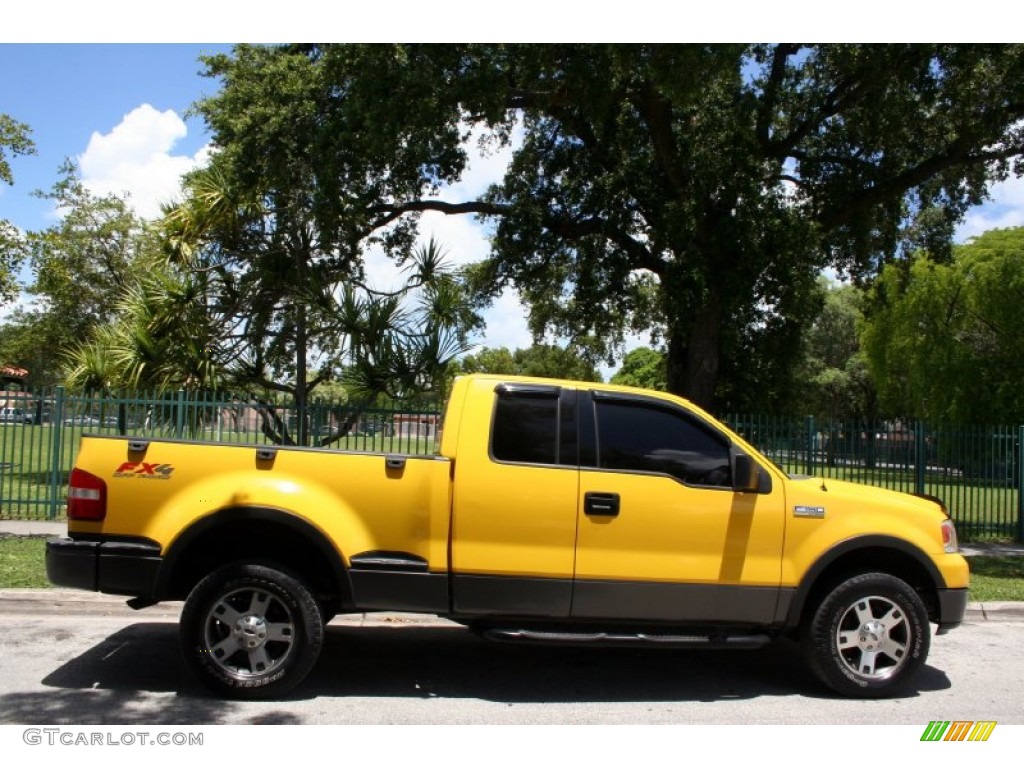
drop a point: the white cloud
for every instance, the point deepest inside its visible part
(1005, 209)
(486, 166)
(506, 323)
(465, 239)
(136, 158)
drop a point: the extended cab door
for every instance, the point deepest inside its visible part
(515, 501)
(662, 534)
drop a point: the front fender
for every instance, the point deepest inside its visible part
(871, 552)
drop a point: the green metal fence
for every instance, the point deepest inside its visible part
(976, 471)
(40, 432)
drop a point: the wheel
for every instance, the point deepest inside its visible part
(251, 631)
(868, 636)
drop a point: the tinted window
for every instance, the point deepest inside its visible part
(525, 429)
(638, 437)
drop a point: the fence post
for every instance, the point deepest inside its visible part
(1020, 482)
(920, 457)
(220, 406)
(56, 449)
(179, 422)
(809, 446)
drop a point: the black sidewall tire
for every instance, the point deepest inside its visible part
(819, 636)
(294, 596)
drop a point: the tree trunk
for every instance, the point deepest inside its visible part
(693, 356)
(301, 256)
(301, 375)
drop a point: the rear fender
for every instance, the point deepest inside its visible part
(303, 500)
(286, 540)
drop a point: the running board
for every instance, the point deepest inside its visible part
(625, 639)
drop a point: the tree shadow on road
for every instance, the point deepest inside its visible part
(127, 678)
(451, 662)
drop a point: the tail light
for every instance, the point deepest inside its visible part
(949, 542)
(87, 496)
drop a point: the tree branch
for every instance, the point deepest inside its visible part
(657, 113)
(771, 91)
(958, 153)
(841, 94)
(388, 213)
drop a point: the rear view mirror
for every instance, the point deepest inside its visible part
(746, 474)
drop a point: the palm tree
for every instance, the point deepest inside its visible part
(284, 305)
(401, 343)
(95, 364)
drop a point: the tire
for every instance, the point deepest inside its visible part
(868, 636)
(251, 631)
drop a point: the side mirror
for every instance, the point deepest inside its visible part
(746, 474)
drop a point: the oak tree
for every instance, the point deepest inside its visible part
(15, 139)
(945, 341)
(692, 190)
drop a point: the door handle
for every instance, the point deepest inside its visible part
(599, 504)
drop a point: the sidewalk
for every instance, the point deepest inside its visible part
(33, 528)
(77, 602)
(984, 548)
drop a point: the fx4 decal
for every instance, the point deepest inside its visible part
(144, 470)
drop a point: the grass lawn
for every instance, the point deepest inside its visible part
(992, 578)
(21, 562)
(997, 578)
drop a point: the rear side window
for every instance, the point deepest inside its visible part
(525, 428)
(645, 438)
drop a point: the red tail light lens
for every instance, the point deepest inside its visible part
(949, 541)
(87, 496)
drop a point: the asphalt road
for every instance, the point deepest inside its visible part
(73, 658)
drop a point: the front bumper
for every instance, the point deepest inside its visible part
(952, 607)
(114, 567)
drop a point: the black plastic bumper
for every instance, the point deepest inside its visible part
(952, 607)
(115, 567)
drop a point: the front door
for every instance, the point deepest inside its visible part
(662, 535)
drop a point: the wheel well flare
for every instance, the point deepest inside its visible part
(904, 565)
(259, 536)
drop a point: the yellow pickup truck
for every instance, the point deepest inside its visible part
(553, 512)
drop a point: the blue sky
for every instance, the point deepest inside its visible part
(68, 93)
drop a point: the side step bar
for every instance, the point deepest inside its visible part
(624, 639)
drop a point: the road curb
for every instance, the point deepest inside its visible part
(59, 600)
(72, 601)
(995, 611)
